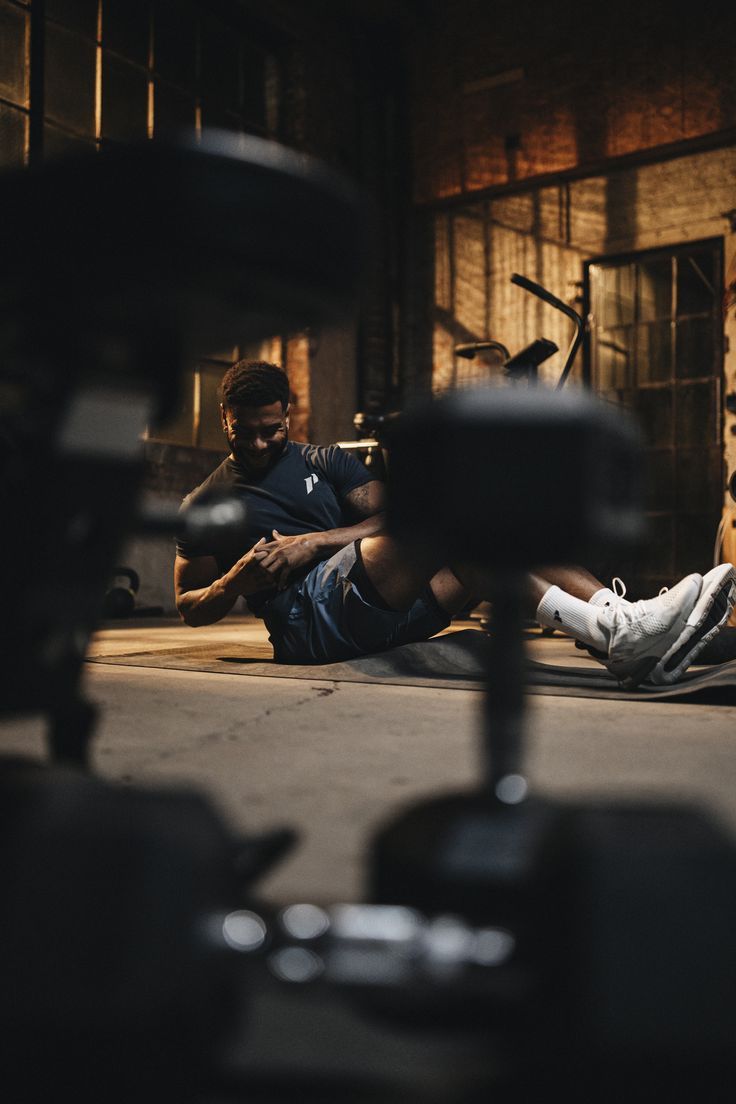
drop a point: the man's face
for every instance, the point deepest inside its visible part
(256, 434)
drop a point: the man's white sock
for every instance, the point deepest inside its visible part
(559, 610)
(604, 597)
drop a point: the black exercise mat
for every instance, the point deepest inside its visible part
(451, 661)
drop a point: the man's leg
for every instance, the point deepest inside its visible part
(630, 639)
(573, 580)
(399, 575)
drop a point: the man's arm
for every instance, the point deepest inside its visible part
(283, 555)
(203, 596)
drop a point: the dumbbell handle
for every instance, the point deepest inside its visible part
(375, 947)
(502, 738)
(196, 523)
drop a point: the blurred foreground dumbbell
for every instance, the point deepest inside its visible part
(120, 269)
(622, 916)
(118, 979)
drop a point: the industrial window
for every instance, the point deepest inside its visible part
(655, 346)
(15, 24)
(87, 73)
(119, 70)
(196, 422)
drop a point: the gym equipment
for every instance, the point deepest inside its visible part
(118, 983)
(524, 364)
(119, 600)
(118, 268)
(608, 990)
(120, 597)
(470, 348)
(370, 446)
(367, 447)
(548, 297)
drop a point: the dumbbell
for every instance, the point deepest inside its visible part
(491, 854)
(126, 265)
(119, 600)
(620, 914)
(118, 978)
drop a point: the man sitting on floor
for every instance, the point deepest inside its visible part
(330, 585)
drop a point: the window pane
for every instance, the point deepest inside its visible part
(179, 429)
(657, 556)
(660, 480)
(674, 394)
(13, 43)
(695, 353)
(57, 142)
(79, 14)
(694, 535)
(613, 294)
(173, 111)
(124, 100)
(210, 429)
(655, 290)
(13, 136)
(654, 352)
(70, 80)
(272, 94)
(126, 28)
(215, 119)
(174, 41)
(613, 364)
(654, 410)
(219, 77)
(696, 283)
(254, 87)
(698, 482)
(696, 414)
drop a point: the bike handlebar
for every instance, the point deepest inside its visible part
(548, 297)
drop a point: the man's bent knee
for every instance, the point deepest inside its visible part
(399, 574)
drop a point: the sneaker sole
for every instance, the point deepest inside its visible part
(627, 678)
(706, 620)
(639, 672)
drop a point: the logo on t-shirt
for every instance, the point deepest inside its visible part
(310, 480)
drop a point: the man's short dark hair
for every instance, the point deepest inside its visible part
(254, 383)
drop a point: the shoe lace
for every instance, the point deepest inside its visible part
(623, 613)
(618, 586)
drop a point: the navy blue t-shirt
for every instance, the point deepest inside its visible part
(303, 492)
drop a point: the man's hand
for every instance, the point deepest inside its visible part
(280, 557)
(203, 596)
(248, 575)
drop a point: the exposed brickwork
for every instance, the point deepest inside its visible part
(506, 91)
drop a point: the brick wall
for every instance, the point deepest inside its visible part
(507, 91)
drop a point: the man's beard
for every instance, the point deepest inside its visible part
(260, 461)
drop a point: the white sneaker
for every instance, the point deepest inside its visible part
(642, 633)
(707, 617)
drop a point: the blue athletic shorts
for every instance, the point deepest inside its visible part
(334, 614)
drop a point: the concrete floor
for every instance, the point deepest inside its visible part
(335, 760)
